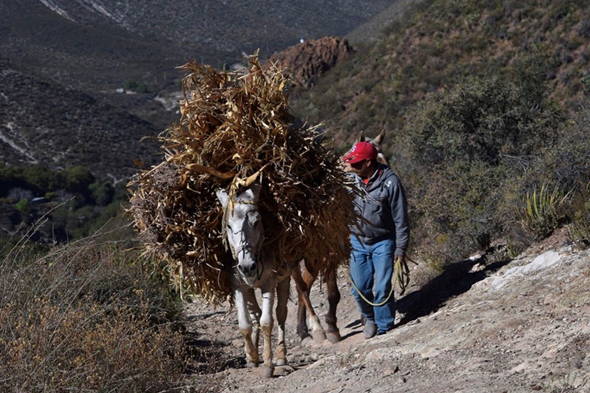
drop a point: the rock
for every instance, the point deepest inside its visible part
(307, 61)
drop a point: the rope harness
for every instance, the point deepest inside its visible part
(401, 276)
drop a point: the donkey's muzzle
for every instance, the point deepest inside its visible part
(247, 269)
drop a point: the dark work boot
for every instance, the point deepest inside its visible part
(370, 329)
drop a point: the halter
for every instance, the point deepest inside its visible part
(243, 246)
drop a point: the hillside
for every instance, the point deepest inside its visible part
(439, 44)
(46, 124)
(483, 103)
(225, 26)
(95, 45)
(372, 30)
(93, 57)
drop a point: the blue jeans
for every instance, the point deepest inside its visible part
(371, 269)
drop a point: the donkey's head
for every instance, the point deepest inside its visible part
(243, 230)
(377, 142)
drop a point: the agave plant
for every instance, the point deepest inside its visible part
(544, 210)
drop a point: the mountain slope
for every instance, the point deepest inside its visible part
(442, 42)
(101, 44)
(474, 96)
(230, 26)
(91, 57)
(46, 124)
(372, 30)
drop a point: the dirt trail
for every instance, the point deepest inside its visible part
(495, 326)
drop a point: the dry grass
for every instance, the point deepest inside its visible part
(84, 318)
(233, 126)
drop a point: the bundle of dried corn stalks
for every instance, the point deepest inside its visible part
(232, 126)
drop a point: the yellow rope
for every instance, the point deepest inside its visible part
(401, 276)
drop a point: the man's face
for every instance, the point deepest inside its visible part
(362, 168)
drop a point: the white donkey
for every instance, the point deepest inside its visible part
(254, 269)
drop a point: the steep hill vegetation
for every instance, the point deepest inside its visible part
(443, 41)
(98, 44)
(479, 98)
(46, 124)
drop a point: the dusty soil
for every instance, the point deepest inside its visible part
(485, 325)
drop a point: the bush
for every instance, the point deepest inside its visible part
(579, 230)
(474, 142)
(580, 227)
(85, 317)
(102, 193)
(483, 120)
(78, 179)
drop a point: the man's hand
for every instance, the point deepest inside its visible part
(402, 272)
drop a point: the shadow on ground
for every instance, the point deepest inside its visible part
(209, 357)
(456, 279)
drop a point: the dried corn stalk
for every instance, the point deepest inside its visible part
(231, 126)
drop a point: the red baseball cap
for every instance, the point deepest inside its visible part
(360, 151)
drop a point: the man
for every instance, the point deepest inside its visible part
(380, 235)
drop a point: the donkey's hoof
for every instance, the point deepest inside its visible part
(281, 371)
(251, 364)
(318, 336)
(281, 362)
(267, 371)
(333, 337)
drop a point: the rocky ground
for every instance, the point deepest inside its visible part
(486, 325)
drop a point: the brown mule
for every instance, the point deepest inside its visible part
(304, 278)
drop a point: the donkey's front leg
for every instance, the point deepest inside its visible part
(255, 313)
(245, 325)
(266, 324)
(281, 312)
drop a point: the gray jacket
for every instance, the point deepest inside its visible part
(383, 210)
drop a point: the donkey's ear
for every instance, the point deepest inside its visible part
(362, 137)
(379, 139)
(222, 196)
(254, 190)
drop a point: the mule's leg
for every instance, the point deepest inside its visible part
(333, 299)
(266, 323)
(255, 313)
(281, 313)
(245, 326)
(302, 330)
(303, 286)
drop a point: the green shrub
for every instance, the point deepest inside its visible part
(580, 227)
(102, 192)
(482, 120)
(22, 206)
(474, 142)
(78, 179)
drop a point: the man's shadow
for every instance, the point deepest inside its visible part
(457, 278)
